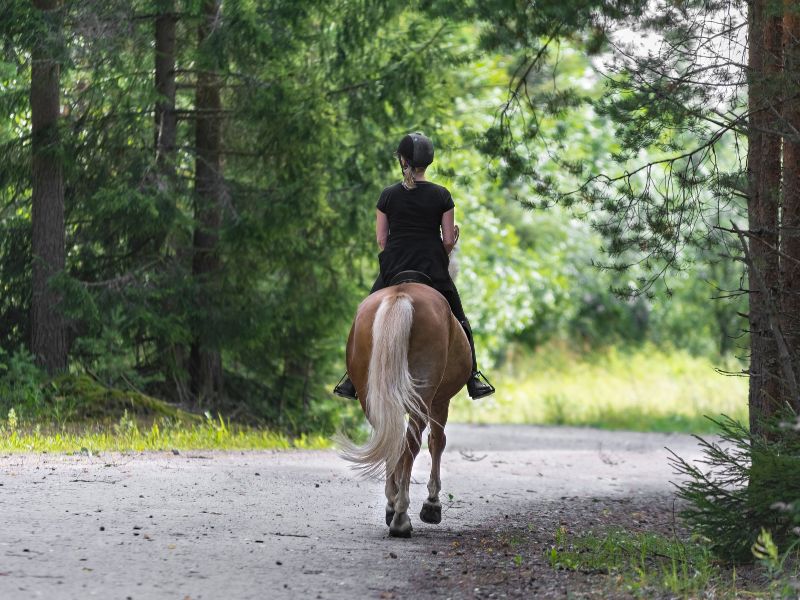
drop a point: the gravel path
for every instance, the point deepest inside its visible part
(235, 525)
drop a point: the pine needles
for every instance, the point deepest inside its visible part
(744, 483)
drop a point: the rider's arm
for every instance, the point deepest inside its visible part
(381, 228)
(449, 230)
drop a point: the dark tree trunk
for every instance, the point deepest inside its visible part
(764, 175)
(790, 214)
(48, 329)
(166, 127)
(205, 361)
(172, 356)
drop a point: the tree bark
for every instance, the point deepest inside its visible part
(764, 178)
(173, 356)
(166, 126)
(205, 368)
(48, 328)
(790, 214)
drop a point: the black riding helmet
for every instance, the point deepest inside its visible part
(417, 149)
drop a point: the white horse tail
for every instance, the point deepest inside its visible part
(391, 392)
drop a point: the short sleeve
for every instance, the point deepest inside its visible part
(383, 201)
(447, 201)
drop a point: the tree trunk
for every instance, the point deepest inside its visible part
(790, 214)
(48, 328)
(172, 356)
(764, 176)
(205, 361)
(166, 130)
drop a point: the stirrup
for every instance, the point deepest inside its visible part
(478, 386)
(345, 388)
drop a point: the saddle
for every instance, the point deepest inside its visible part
(411, 277)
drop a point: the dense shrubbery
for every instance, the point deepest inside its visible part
(747, 484)
(33, 397)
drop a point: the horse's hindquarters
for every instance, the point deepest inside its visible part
(434, 357)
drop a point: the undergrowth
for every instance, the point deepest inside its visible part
(131, 434)
(650, 565)
(744, 483)
(643, 389)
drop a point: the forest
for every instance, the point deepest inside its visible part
(187, 220)
(188, 192)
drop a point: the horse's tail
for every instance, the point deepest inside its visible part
(391, 392)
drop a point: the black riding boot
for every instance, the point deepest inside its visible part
(345, 388)
(477, 386)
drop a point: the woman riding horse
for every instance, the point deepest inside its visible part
(415, 227)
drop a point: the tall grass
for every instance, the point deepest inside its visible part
(129, 434)
(646, 389)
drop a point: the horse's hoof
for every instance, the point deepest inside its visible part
(400, 526)
(431, 512)
(389, 514)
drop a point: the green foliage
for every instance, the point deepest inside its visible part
(89, 401)
(621, 128)
(747, 483)
(645, 563)
(31, 396)
(644, 389)
(529, 276)
(130, 435)
(783, 569)
(21, 384)
(315, 97)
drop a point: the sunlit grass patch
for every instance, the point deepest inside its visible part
(129, 434)
(646, 389)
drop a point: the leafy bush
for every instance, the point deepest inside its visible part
(21, 384)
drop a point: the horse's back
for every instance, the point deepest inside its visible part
(435, 338)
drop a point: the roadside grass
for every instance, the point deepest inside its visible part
(129, 434)
(643, 389)
(648, 564)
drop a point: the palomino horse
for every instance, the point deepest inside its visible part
(406, 355)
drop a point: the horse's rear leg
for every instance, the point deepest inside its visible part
(400, 525)
(391, 492)
(432, 508)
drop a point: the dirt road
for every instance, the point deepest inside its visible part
(275, 525)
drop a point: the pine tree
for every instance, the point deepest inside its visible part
(205, 362)
(764, 176)
(790, 201)
(48, 329)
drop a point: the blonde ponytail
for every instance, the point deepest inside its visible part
(408, 178)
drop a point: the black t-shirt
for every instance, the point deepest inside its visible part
(415, 213)
(415, 243)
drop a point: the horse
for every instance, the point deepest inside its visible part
(406, 355)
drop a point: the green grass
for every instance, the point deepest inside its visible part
(646, 389)
(649, 564)
(129, 434)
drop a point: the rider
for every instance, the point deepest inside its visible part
(415, 226)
